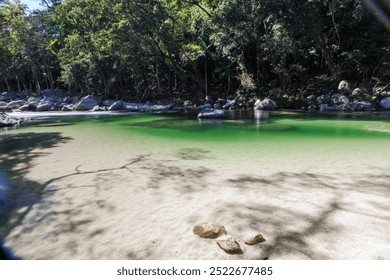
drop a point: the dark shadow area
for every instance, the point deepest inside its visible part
(17, 154)
(314, 201)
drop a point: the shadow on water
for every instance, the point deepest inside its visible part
(17, 154)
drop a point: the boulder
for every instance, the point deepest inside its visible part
(43, 107)
(24, 108)
(229, 244)
(385, 103)
(326, 107)
(361, 106)
(33, 99)
(88, 102)
(359, 91)
(204, 107)
(117, 105)
(344, 86)
(229, 104)
(16, 104)
(67, 108)
(266, 104)
(211, 114)
(6, 120)
(68, 99)
(323, 99)
(338, 99)
(253, 240)
(97, 108)
(108, 102)
(133, 106)
(209, 230)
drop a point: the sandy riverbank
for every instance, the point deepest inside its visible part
(85, 194)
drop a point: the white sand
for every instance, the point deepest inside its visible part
(137, 198)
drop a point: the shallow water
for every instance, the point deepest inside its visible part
(286, 157)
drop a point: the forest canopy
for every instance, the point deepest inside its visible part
(180, 48)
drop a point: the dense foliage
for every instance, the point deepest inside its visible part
(145, 49)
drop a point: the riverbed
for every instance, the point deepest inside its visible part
(315, 185)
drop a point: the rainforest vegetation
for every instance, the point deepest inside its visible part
(143, 49)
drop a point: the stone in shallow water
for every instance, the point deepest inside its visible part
(229, 244)
(255, 240)
(209, 230)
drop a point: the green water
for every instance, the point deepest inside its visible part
(246, 127)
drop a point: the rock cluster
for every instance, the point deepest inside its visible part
(226, 242)
(6, 120)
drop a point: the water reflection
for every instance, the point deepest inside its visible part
(260, 115)
(203, 123)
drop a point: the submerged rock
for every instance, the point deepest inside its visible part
(211, 114)
(229, 244)
(209, 230)
(258, 238)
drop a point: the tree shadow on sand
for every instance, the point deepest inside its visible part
(17, 154)
(301, 213)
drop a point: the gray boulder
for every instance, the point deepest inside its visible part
(211, 114)
(6, 120)
(24, 108)
(359, 91)
(339, 99)
(108, 102)
(67, 108)
(88, 102)
(117, 105)
(266, 104)
(97, 108)
(323, 99)
(229, 104)
(204, 107)
(16, 104)
(361, 106)
(43, 107)
(326, 107)
(385, 103)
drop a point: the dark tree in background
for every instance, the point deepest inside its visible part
(181, 49)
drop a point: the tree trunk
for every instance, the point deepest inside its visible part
(319, 38)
